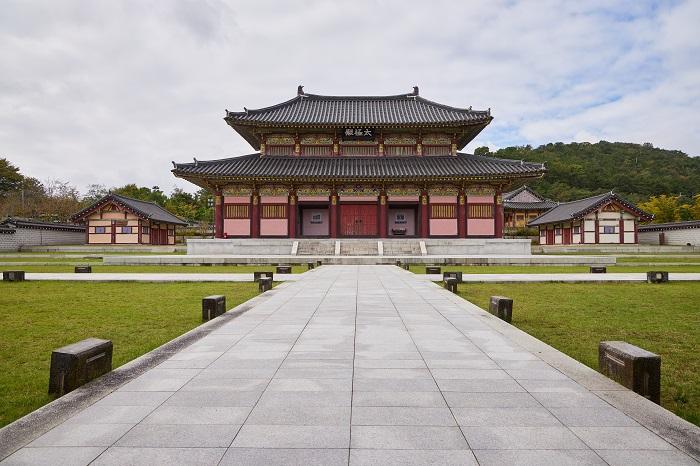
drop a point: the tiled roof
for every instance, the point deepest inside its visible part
(144, 209)
(542, 204)
(30, 223)
(402, 109)
(670, 226)
(349, 168)
(566, 211)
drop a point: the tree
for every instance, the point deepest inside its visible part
(483, 150)
(94, 193)
(665, 208)
(10, 177)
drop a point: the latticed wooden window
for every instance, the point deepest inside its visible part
(279, 150)
(237, 211)
(443, 211)
(437, 150)
(399, 150)
(273, 211)
(480, 210)
(359, 150)
(316, 150)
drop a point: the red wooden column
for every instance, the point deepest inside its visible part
(636, 233)
(597, 229)
(461, 215)
(255, 215)
(292, 215)
(218, 215)
(424, 216)
(333, 217)
(383, 220)
(499, 215)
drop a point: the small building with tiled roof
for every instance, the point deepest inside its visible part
(603, 219)
(17, 233)
(685, 233)
(358, 166)
(117, 219)
(522, 205)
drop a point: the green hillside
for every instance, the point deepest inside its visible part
(636, 171)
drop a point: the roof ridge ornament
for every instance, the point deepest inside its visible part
(415, 90)
(300, 90)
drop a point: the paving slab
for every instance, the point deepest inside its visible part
(365, 365)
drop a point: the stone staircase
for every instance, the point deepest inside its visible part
(322, 247)
(359, 248)
(402, 247)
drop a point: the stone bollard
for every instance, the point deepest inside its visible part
(433, 270)
(657, 277)
(631, 366)
(283, 269)
(13, 276)
(457, 275)
(258, 275)
(598, 269)
(451, 284)
(310, 265)
(501, 307)
(83, 269)
(77, 364)
(265, 284)
(213, 306)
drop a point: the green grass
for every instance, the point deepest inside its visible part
(556, 268)
(668, 259)
(575, 317)
(37, 317)
(154, 268)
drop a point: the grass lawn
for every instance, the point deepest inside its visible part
(575, 317)
(667, 259)
(37, 317)
(556, 268)
(98, 268)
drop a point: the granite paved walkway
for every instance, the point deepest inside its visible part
(358, 365)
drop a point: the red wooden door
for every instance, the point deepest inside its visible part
(567, 236)
(358, 220)
(550, 236)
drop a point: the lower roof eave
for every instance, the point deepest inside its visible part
(207, 181)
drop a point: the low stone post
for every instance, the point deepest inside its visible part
(598, 269)
(258, 275)
(501, 307)
(631, 366)
(83, 269)
(433, 270)
(319, 263)
(657, 277)
(456, 275)
(398, 263)
(265, 284)
(451, 284)
(213, 306)
(77, 364)
(310, 265)
(283, 269)
(13, 276)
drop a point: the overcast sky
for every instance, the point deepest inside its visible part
(111, 91)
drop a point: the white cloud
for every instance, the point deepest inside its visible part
(109, 92)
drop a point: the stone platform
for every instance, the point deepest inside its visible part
(356, 365)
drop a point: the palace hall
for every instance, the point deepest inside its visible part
(358, 166)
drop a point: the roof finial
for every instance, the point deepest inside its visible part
(300, 90)
(174, 164)
(227, 112)
(195, 161)
(415, 90)
(246, 110)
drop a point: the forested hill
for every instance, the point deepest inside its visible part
(635, 171)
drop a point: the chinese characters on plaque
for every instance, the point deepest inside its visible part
(357, 134)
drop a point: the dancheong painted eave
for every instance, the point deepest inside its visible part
(391, 111)
(293, 169)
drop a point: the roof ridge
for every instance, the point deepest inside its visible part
(137, 200)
